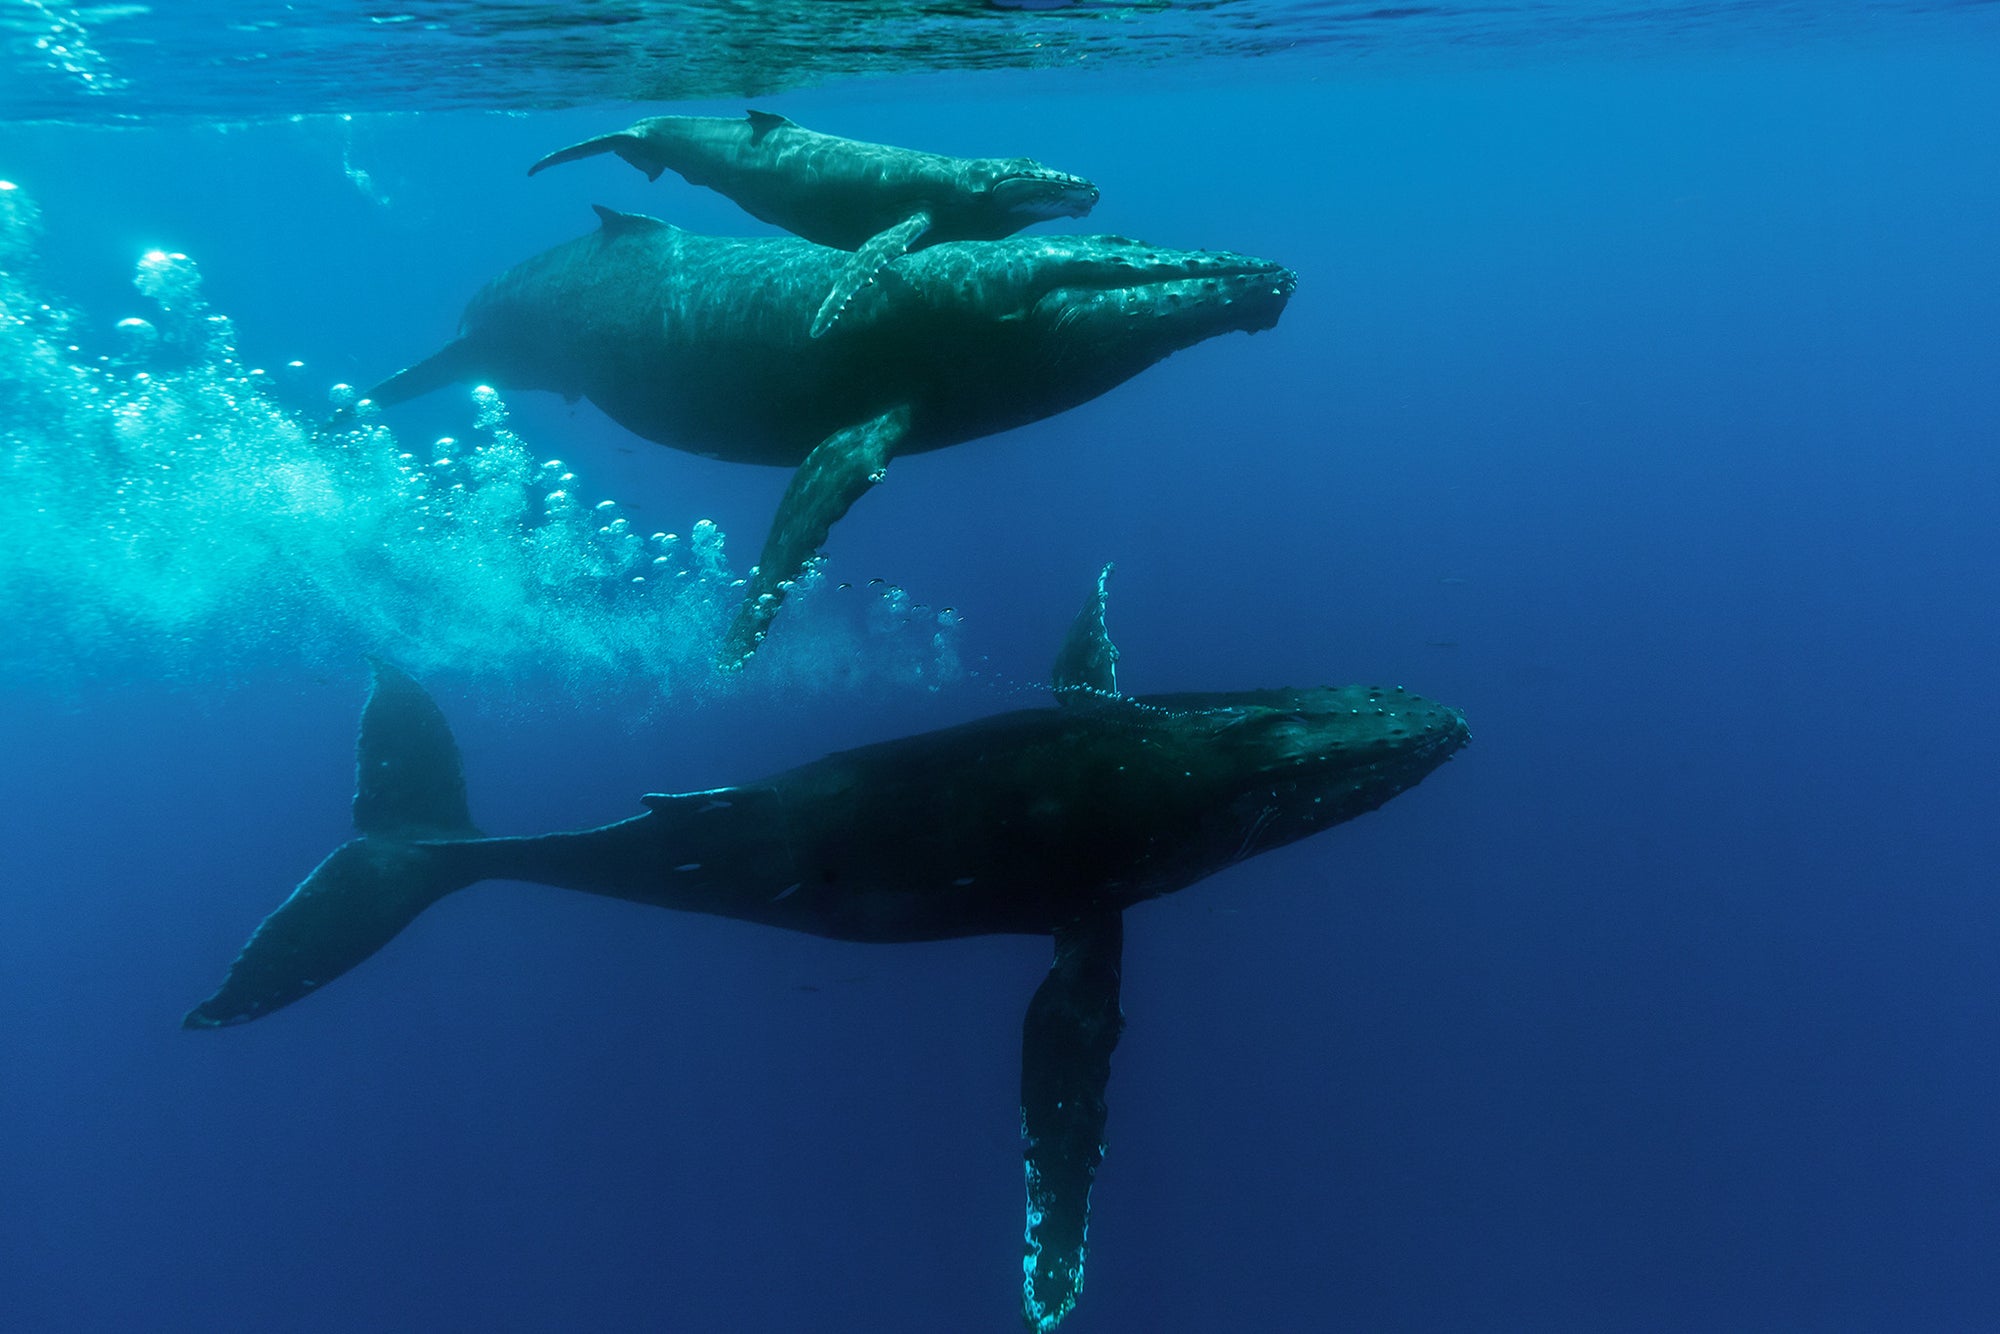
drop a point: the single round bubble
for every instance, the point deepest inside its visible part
(488, 411)
(343, 395)
(136, 337)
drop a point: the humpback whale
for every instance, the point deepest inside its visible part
(876, 200)
(700, 343)
(1045, 821)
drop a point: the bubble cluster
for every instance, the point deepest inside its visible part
(20, 224)
(62, 45)
(166, 515)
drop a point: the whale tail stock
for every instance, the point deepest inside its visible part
(410, 816)
(627, 144)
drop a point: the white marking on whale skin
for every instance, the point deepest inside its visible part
(688, 866)
(787, 891)
(714, 806)
(1257, 827)
(963, 881)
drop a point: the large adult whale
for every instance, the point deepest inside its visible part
(1048, 821)
(876, 200)
(700, 342)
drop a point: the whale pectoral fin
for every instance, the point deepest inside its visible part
(627, 144)
(884, 247)
(835, 475)
(1072, 1026)
(1087, 664)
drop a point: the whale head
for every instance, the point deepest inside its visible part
(1060, 319)
(1279, 765)
(1111, 290)
(1024, 191)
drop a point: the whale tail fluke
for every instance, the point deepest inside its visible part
(455, 361)
(627, 144)
(413, 825)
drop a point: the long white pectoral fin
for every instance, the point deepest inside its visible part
(837, 473)
(883, 248)
(1072, 1026)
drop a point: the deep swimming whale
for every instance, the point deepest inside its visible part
(1047, 821)
(700, 343)
(876, 200)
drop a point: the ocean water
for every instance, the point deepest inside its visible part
(1637, 398)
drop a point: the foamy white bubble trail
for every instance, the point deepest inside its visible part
(166, 514)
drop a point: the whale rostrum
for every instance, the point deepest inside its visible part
(702, 343)
(1045, 821)
(875, 200)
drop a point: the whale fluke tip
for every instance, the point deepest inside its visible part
(629, 145)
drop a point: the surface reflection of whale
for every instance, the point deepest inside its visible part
(701, 343)
(876, 200)
(1041, 821)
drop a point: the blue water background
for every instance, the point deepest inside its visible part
(1642, 407)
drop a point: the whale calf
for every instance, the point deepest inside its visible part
(701, 343)
(876, 200)
(1047, 821)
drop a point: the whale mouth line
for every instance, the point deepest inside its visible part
(1222, 282)
(1061, 178)
(1045, 194)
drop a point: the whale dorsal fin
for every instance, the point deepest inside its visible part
(763, 122)
(1087, 664)
(614, 223)
(408, 782)
(886, 246)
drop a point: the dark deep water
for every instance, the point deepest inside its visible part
(1636, 399)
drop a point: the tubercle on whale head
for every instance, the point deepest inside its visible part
(1296, 729)
(1289, 763)
(1127, 289)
